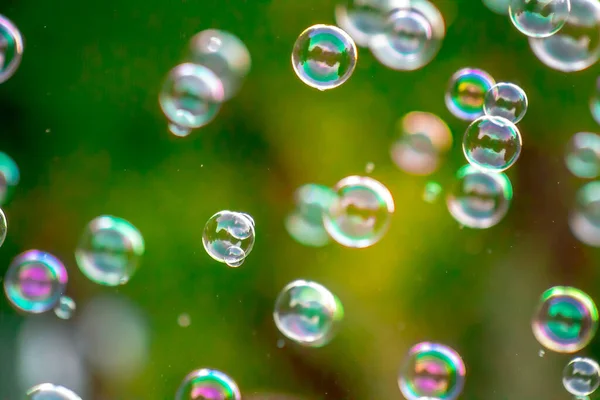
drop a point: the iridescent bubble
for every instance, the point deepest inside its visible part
(539, 18)
(432, 370)
(324, 57)
(566, 319)
(191, 96)
(362, 19)
(49, 391)
(109, 250)
(207, 384)
(595, 101)
(9, 177)
(432, 192)
(361, 214)
(11, 48)
(228, 237)
(506, 100)
(65, 308)
(584, 219)
(3, 227)
(581, 376)
(583, 155)
(466, 93)
(35, 281)
(307, 313)
(479, 199)
(492, 143)
(497, 6)
(577, 45)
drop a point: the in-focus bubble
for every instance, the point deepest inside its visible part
(539, 18)
(11, 48)
(581, 376)
(497, 6)
(506, 100)
(577, 45)
(362, 19)
(432, 192)
(35, 281)
(3, 227)
(432, 370)
(583, 155)
(307, 313)
(466, 93)
(479, 199)
(65, 308)
(361, 214)
(9, 177)
(566, 319)
(324, 57)
(492, 143)
(109, 250)
(228, 237)
(595, 101)
(191, 96)
(49, 391)
(207, 384)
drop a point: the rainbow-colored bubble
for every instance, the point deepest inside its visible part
(207, 384)
(466, 92)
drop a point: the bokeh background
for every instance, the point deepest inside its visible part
(82, 121)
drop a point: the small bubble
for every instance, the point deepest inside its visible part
(208, 384)
(48, 391)
(65, 308)
(432, 192)
(466, 92)
(583, 155)
(369, 167)
(506, 100)
(280, 343)
(228, 237)
(184, 320)
(234, 256)
(11, 48)
(581, 376)
(541, 353)
(539, 18)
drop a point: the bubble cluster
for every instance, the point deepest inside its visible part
(595, 101)
(539, 18)
(506, 100)
(432, 192)
(324, 57)
(583, 155)
(11, 48)
(581, 376)
(432, 370)
(566, 319)
(228, 237)
(49, 391)
(207, 384)
(65, 308)
(466, 92)
(9, 177)
(307, 313)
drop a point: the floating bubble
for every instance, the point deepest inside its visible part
(583, 155)
(497, 6)
(539, 18)
(35, 281)
(577, 45)
(324, 57)
(184, 320)
(109, 250)
(584, 219)
(11, 48)
(207, 384)
(432, 192)
(307, 313)
(466, 92)
(432, 370)
(506, 100)
(9, 177)
(362, 19)
(361, 214)
(228, 237)
(48, 391)
(65, 308)
(595, 101)
(3, 227)
(179, 131)
(479, 199)
(581, 376)
(566, 319)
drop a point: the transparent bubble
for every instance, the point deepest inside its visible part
(109, 250)
(566, 319)
(184, 320)
(9, 177)
(362, 19)
(584, 219)
(539, 18)
(11, 48)
(432, 370)
(432, 192)
(577, 45)
(466, 93)
(228, 237)
(191, 96)
(207, 384)
(497, 6)
(35, 281)
(65, 308)
(324, 57)
(583, 155)
(361, 214)
(492, 143)
(3, 227)
(307, 313)
(506, 100)
(595, 101)
(479, 199)
(581, 376)
(49, 391)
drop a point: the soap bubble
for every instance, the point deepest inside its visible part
(577, 45)
(48, 391)
(506, 100)
(595, 101)
(361, 214)
(466, 92)
(581, 376)
(109, 250)
(324, 57)
(492, 143)
(479, 199)
(362, 19)
(228, 237)
(432, 370)
(583, 155)
(65, 307)
(11, 48)
(432, 192)
(539, 18)
(497, 6)
(584, 219)
(35, 281)
(307, 313)
(179, 131)
(9, 177)
(566, 319)
(3, 227)
(207, 384)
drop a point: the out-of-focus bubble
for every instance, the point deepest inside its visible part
(9, 177)
(207, 384)
(228, 237)
(581, 376)
(179, 131)
(583, 155)
(432, 370)
(11, 48)
(361, 214)
(362, 19)
(370, 167)
(539, 18)
(48, 391)
(35, 281)
(492, 143)
(584, 219)
(566, 319)
(307, 313)
(65, 308)
(432, 192)
(109, 250)
(191, 96)
(305, 233)
(577, 45)
(506, 100)
(324, 57)
(497, 6)
(595, 101)
(466, 92)
(479, 199)
(3, 227)
(184, 320)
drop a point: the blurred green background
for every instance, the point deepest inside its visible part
(82, 121)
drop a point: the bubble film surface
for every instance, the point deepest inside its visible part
(207, 384)
(65, 307)
(466, 92)
(584, 218)
(583, 155)
(506, 100)
(9, 177)
(11, 48)
(49, 391)
(539, 18)
(228, 237)
(581, 376)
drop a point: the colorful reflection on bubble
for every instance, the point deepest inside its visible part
(11, 48)
(581, 376)
(48, 391)
(9, 177)
(207, 384)
(506, 100)
(584, 218)
(539, 18)
(466, 92)
(583, 155)
(228, 237)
